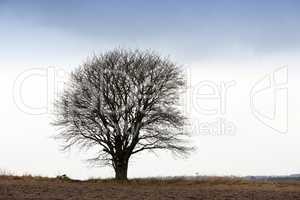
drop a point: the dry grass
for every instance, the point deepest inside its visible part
(206, 188)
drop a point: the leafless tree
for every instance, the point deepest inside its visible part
(123, 102)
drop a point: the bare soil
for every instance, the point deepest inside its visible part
(32, 188)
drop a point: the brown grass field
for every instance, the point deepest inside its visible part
(33, 188)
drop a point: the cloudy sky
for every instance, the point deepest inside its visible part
(241, 59)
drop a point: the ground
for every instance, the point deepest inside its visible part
(34, 188)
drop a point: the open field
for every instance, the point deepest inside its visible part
(29, 188)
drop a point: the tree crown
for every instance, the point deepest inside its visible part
(125, 102)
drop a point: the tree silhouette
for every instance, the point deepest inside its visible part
(123, 102)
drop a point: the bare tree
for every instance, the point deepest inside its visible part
(123, 102)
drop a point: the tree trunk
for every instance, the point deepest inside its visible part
(121, 169)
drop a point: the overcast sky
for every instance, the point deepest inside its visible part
(242, 64)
